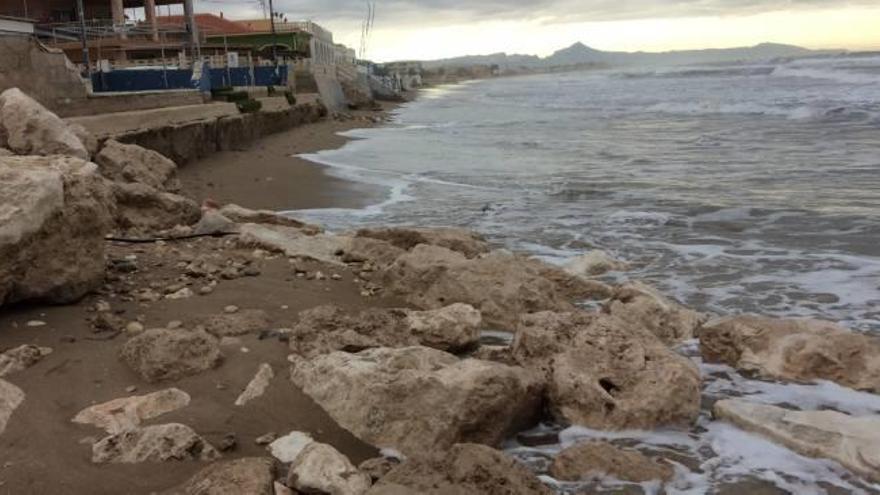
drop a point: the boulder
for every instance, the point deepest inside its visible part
(127, 413)
(89, 141)
(364, 249)
(235, 324)
(162, 354)
(257, 386)
(147, 209)
(416, 399)
(797, 350)
(10, 398)
(21, 358)
(319, 468)
(604, 374)
(500, 285)
(31, 129)
(54, 214)
(294, 242)
(853, 441)
(593, 263)
(213, 222)
(248, 476)
(329, 328)
(240, 214)
(584, 460)
(640, 305)
(466, 242)
(464, 469)
(132, 163)
(168, 442)
(452, 328)
(287, 448)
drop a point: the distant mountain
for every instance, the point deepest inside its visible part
(579, 54)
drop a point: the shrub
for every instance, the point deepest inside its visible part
(291, 98)
(248, 106)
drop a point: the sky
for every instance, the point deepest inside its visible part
(432, 29)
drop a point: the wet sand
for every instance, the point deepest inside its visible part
(270, 176)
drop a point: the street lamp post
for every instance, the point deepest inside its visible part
(85, 43)
(274, 34)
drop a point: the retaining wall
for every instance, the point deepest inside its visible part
(187, 142)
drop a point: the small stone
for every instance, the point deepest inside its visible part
(336, 276)
(131, 389)
(284, 306)
(183, 293)
(230, 309)
(36, 323)
(228, 443)
(320, 276)
(102, 306)
(266, 439)
(208, 289)
(174, 324)
(134, 327)
(251, 272)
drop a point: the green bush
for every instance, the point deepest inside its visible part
(248, 106)
(291, 98)
(271, 91)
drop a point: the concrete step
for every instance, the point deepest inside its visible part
(119, 123)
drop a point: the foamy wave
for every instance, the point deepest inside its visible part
(837, 75)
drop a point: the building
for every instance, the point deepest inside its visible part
(408, 74)
(15, 26)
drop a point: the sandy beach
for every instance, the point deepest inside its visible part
(270, 176)
(44, 452)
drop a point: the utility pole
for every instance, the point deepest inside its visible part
(191, 27)
(274, 34)
(85, 42)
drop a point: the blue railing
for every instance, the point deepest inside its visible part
(159, 79)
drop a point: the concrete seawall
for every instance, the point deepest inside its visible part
(212, 128)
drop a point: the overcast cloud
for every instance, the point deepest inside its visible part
(429, 12)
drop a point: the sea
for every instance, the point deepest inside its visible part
(735, 188)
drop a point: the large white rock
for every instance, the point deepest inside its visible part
(415, 399)
(641, 305)
(168, 442)
(605, 374)
(162, 354)
(466, 242)
(10, 398)
(126, 413)
(294, 242)
(132, 163)
(330, 328)
(798, 350)
(248, 476)
(853, 441)
(31, 129)
(287, 448)
(54, 214)
(319, 468)
(464, 469)
(142, 208)
(257, 386)
(502, 286)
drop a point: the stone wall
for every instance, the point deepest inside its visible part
(191, 141)
(45, 74)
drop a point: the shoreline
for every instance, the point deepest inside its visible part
(277, 179)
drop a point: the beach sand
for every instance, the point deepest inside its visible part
(269, 176)
(43, 452)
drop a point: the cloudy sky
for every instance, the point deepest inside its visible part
(426, 29)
